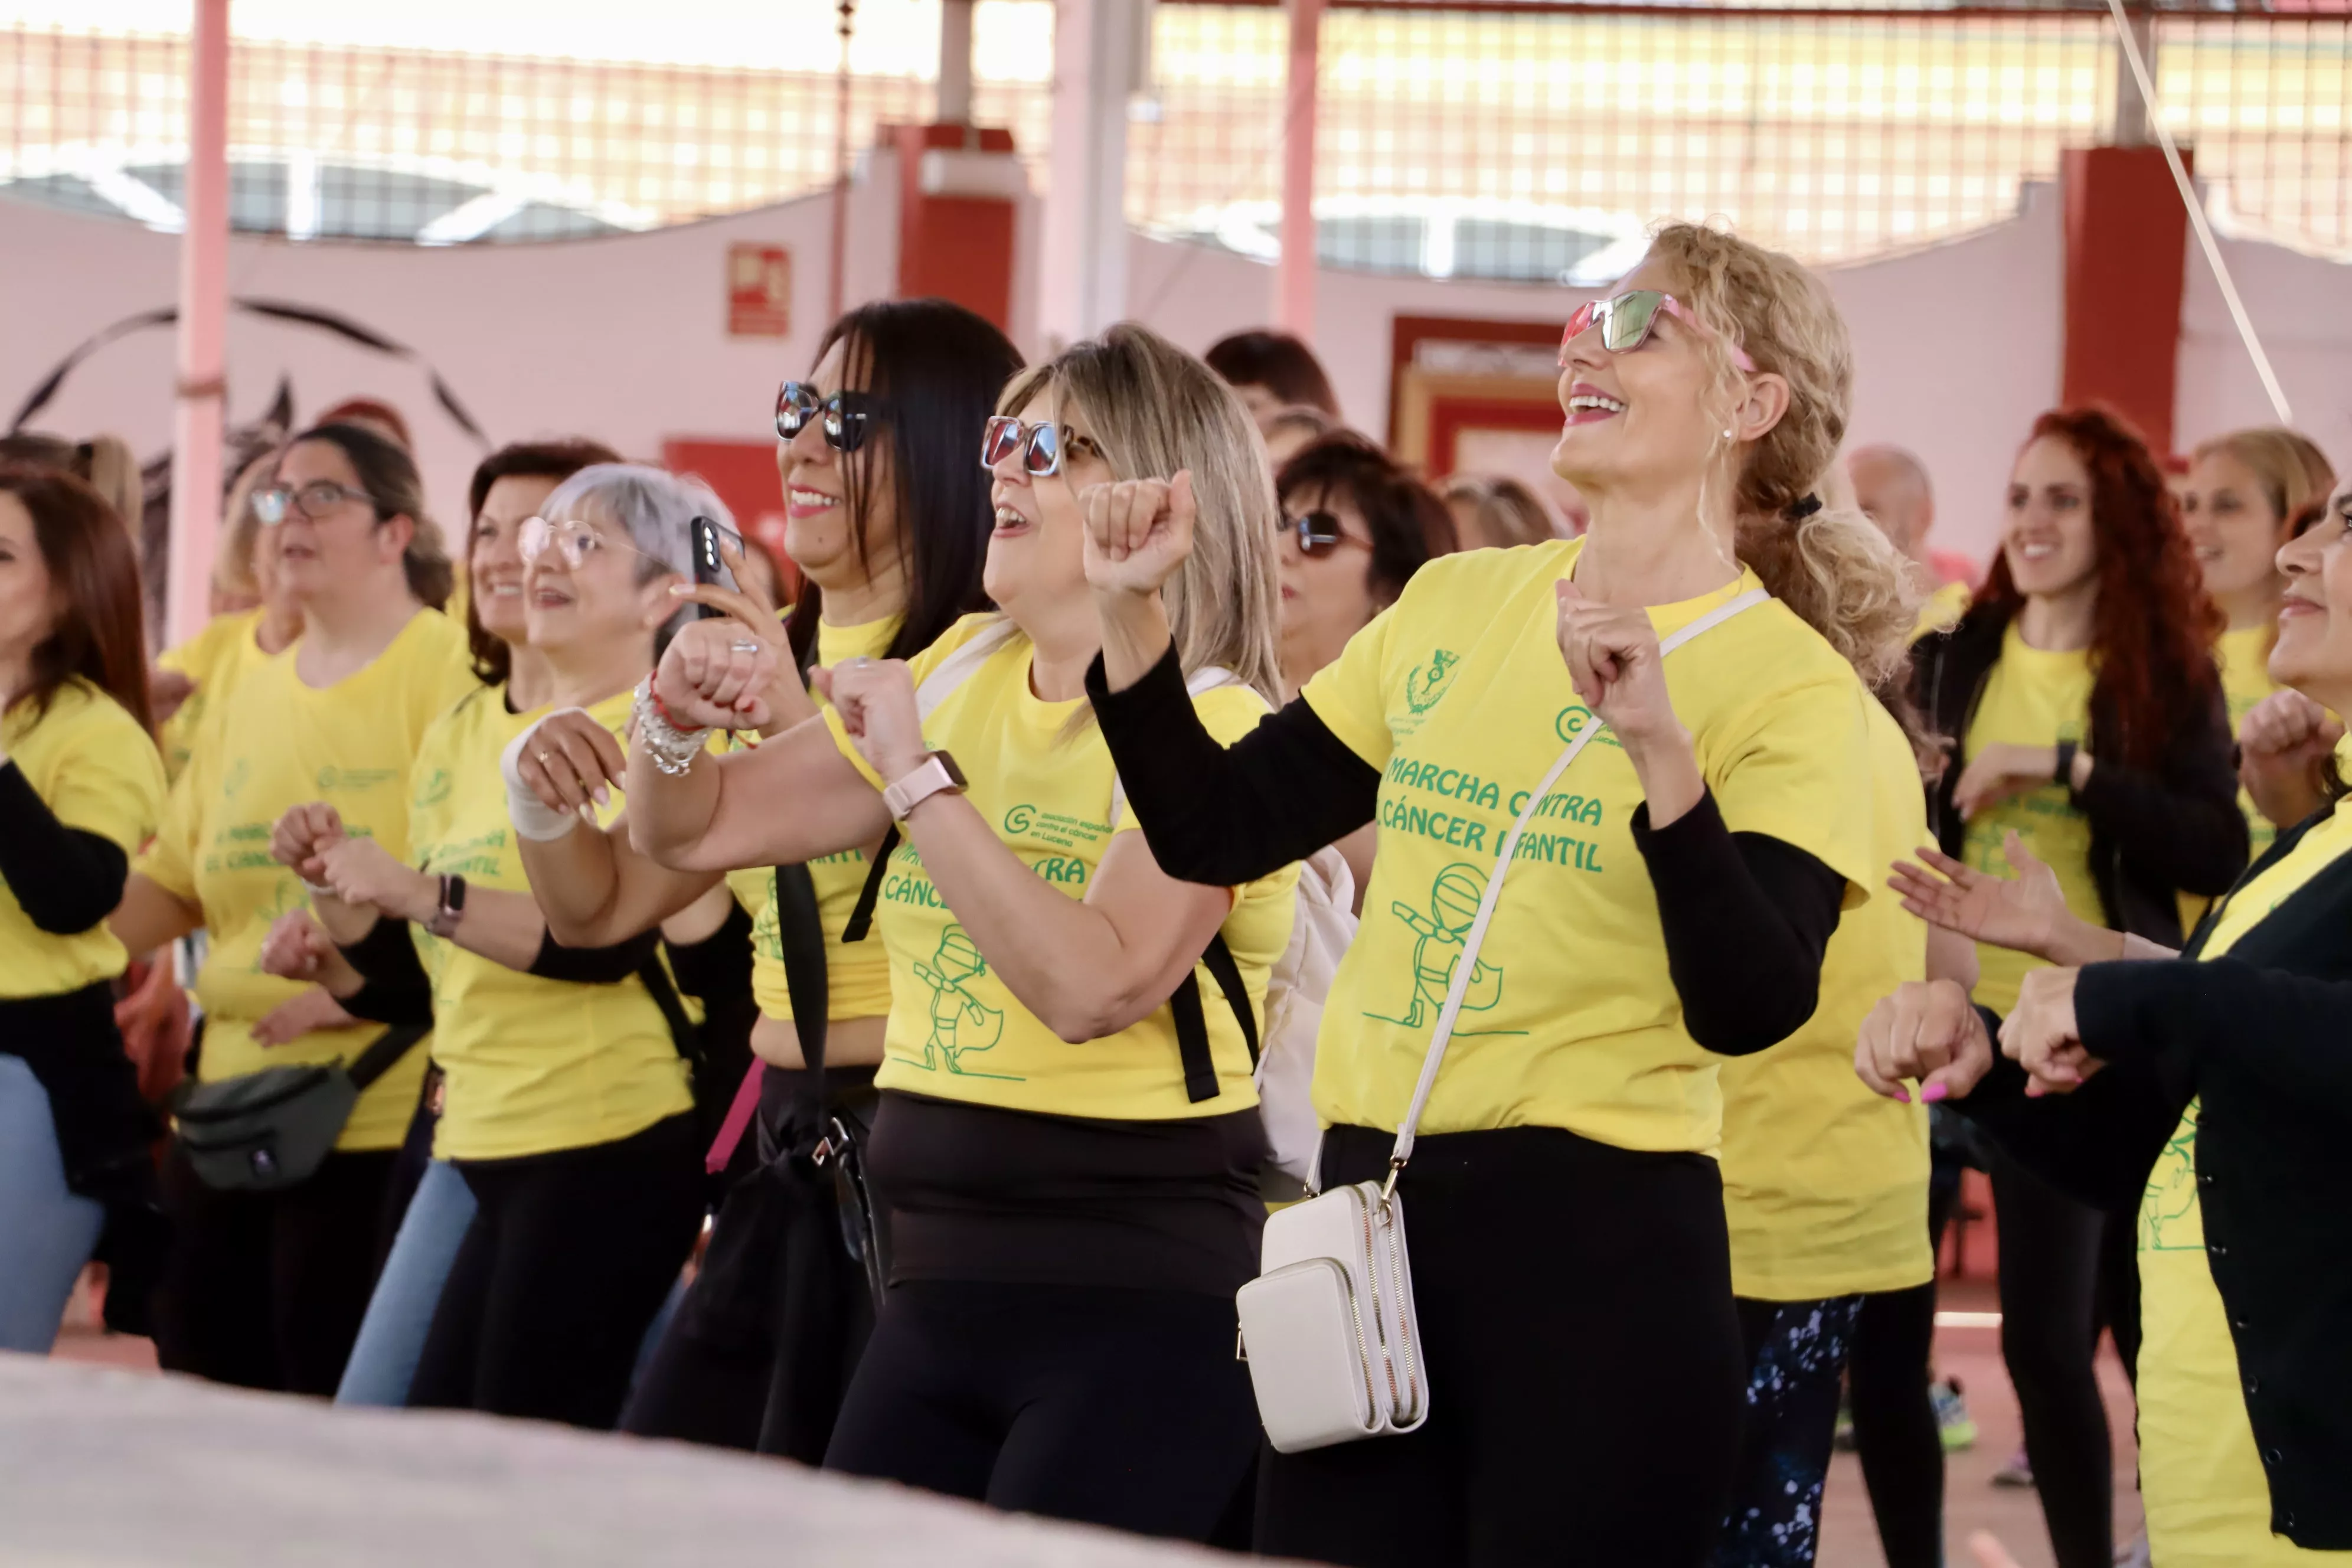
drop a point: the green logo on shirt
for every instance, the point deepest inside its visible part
(1426, 685)
(333, 778)
(961, 1025)
(1019, 819)
(432, 789)
(1453, 900)
(239, 771)
(2169, 1217)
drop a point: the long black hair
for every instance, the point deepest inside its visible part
(934, 370)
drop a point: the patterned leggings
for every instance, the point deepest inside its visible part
(1796, 1356)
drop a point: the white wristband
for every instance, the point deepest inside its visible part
(532, 817)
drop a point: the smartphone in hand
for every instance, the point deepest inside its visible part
(708, 567)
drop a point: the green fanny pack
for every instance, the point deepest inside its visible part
(270, 1129)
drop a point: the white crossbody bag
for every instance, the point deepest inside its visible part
(1328, 1326)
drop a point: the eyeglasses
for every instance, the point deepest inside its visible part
(574, 542)
(316, 500)
(846, 415)
(1319, 533)
(1627, 319)
(1040, 444)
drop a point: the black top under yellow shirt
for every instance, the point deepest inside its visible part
(1458, 696)
(532, 1065)
(276, 743)
(98, 772)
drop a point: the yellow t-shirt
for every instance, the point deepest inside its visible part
(97, 771)
(956, 1032)
(1825, 1184)
(2245, 682)
(1942, 609)
(278, 744)
(215, 659)
(533, 1065)
(1457, 694)
(2032, 698)
(858, 975)
(2208, 1503)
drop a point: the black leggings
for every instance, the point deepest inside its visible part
(1894, 1430)
(2049, 1330)
(1586, 1372)
(567, 1260)
(266, 1290)
(1092, 1403)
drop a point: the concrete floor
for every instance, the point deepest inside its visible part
(1849, 1536)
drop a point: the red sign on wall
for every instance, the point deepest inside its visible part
(758, 291)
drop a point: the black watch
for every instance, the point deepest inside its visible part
(2065, 772)
(444, 923)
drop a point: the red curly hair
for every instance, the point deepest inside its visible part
(2153, 630)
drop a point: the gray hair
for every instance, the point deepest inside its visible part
(655, 507)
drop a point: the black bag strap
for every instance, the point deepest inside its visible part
(682, 1033)
(861, 918)
(800, 934)
(1192, 1024)
(383, 1052)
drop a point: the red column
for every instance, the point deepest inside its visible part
(2126, 254)
(956, 188)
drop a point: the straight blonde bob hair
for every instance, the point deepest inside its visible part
(1156, 410)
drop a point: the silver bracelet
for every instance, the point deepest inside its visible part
(673, 750)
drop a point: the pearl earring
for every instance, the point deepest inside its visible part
(1728, 435)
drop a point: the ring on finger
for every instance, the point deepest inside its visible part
(545, 756)
(742, 645)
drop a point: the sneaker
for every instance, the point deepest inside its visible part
(2018, 1472)
(1952, 1424)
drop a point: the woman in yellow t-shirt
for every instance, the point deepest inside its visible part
(567, 1101)
(2090, 738)
(1068, 1140)
(888, 520)
(2209, 1098)
(1667, 906)
(2244, 494)
(267, 1289)
(81, 789)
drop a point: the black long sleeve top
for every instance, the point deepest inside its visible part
(1747, 917)
(64, 879)
(2263, 1039)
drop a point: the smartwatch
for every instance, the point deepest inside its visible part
(444, 923)
(2065, 772)
(937, 774)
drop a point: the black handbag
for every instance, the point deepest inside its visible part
(267, 1131)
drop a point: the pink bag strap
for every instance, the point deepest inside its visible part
(739, 1117)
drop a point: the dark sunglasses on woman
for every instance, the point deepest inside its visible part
(1040, 445)
(1318, 533)
(846, 415)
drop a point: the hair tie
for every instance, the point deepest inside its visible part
(1803, 507)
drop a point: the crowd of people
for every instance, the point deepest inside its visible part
(853, 1008)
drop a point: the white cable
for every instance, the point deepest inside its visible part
(2197, 215)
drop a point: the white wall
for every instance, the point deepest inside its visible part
(2302, 311)
(623, 339)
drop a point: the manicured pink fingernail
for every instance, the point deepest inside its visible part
(1933, 1092)
(1904, 1094)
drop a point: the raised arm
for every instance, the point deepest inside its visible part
(1087, 968)
(1213, 814)
(795, 798)
(591, 883)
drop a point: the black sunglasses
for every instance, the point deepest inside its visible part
(846, 415)
(1318, 533)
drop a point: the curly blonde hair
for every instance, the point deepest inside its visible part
(1828, 564)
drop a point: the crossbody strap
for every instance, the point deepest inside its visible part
(383, 1052)
(1476, 936)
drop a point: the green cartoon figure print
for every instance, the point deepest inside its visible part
(1425, 685)
(961, 1025)
(2169, 1219)
(1454, 900)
